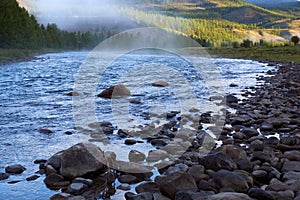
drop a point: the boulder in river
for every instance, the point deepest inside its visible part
(115, 91)
(15, 169)
(160, 84)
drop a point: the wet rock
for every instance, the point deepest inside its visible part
(156, 155)
(45, 131)
(291, 166)
(61, 196)
(265, 126)
(124, 186)
(217, 161)
(69, 133)
(130, 141)
(160, 84)
(40, 161)
(141, 196)
(81, 159)
(4, 176)
(127, 179)
(15, 169)
(159, 142)
(171, 184)
(229, 195)
(52, 179)
(32, 178)
(231, 99)
(86, 181)
(102, 127)
(136, 156)
(233, 85)
(77, 188)
(227, 179)
(271, 141)
(73, 94)
(115, 92)
(260, 194)
(55, 161)
(134, 101)
(250, 132)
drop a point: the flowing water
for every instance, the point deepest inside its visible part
(33, 96)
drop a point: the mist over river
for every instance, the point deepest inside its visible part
(33, 96)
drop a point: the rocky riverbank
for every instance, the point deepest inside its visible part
(259, 157)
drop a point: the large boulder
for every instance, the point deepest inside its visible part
(115, 91)
(80, 160)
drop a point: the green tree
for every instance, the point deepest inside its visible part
(295, 39)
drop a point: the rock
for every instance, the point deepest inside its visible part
(124, 186)
(217, 161)
(291, 155)
(147, 187)
(231, 99)
(159, 142)
(171, 184)
(265, 126)
(130, 141)
(262, 156)
(127, 179)
(291, 175)
(102, 127)
(207, 186)
(4, 176)
(276, 185)
(122, 133)
(61, 196)
(32, 178)
(134, 101)
(81, 159)
(233, 85)
(15, 169)
(234, 152)
(244, 165)
(291, 141)
(160, 84)
(260, 175)
(136, 156)
(52, 179)
(228, 196)
(132, 167)
(197, 171)
(283, 195)
(73, 94)
(156, 155)
(260, 194)
(226, 179)
(291, 166)
(250, 132)
(115, 92)
(77, 188)
(192, 194)
(271, 141)
(40, 161)
(45, 131)
(55, 161)
(141, 196)
(88, 182)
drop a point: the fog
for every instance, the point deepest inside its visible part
(74, 15)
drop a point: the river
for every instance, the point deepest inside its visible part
(33, 96)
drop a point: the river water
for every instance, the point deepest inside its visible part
(33, 96)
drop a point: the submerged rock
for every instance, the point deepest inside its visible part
(115, 92)
(160, 84)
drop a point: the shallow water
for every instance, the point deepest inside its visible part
(33, 96)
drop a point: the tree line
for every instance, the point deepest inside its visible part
(21, 30)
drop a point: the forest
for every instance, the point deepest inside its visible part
(20, 30)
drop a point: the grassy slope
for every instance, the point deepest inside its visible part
(282, 54)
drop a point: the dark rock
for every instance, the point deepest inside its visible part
(197, 171)
(288, 141)
(192, 194)
(147, 187)
(265, 126)
(40, 161)
(52, 179)
(291, 166)
(55, 161)
(32, 178)
(127, 178)
(77, 188)
(260, 194)
(4, 176)
(207, 186)
(276, 185)
(233, 85)
(234, 152)
(244, 165)
(217, 161)
(69, 133)
(227, 179)
(160, 84)
(134, 101)
(102, 127)
(291, 175)
(124, 186)
(231, 99)
(229, 196)
(262, 156)
(14, 182)
(45, 131)
(260, 175)
(141, 196)
(130, 141)
(171, 184)
(159, 142)
(271, 141)
(122, 133)
(115, 92)
(81, 159)
(88, 182)
(61, 196)
(250, 132)
(15, 169)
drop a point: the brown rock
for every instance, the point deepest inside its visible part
(115, 92)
